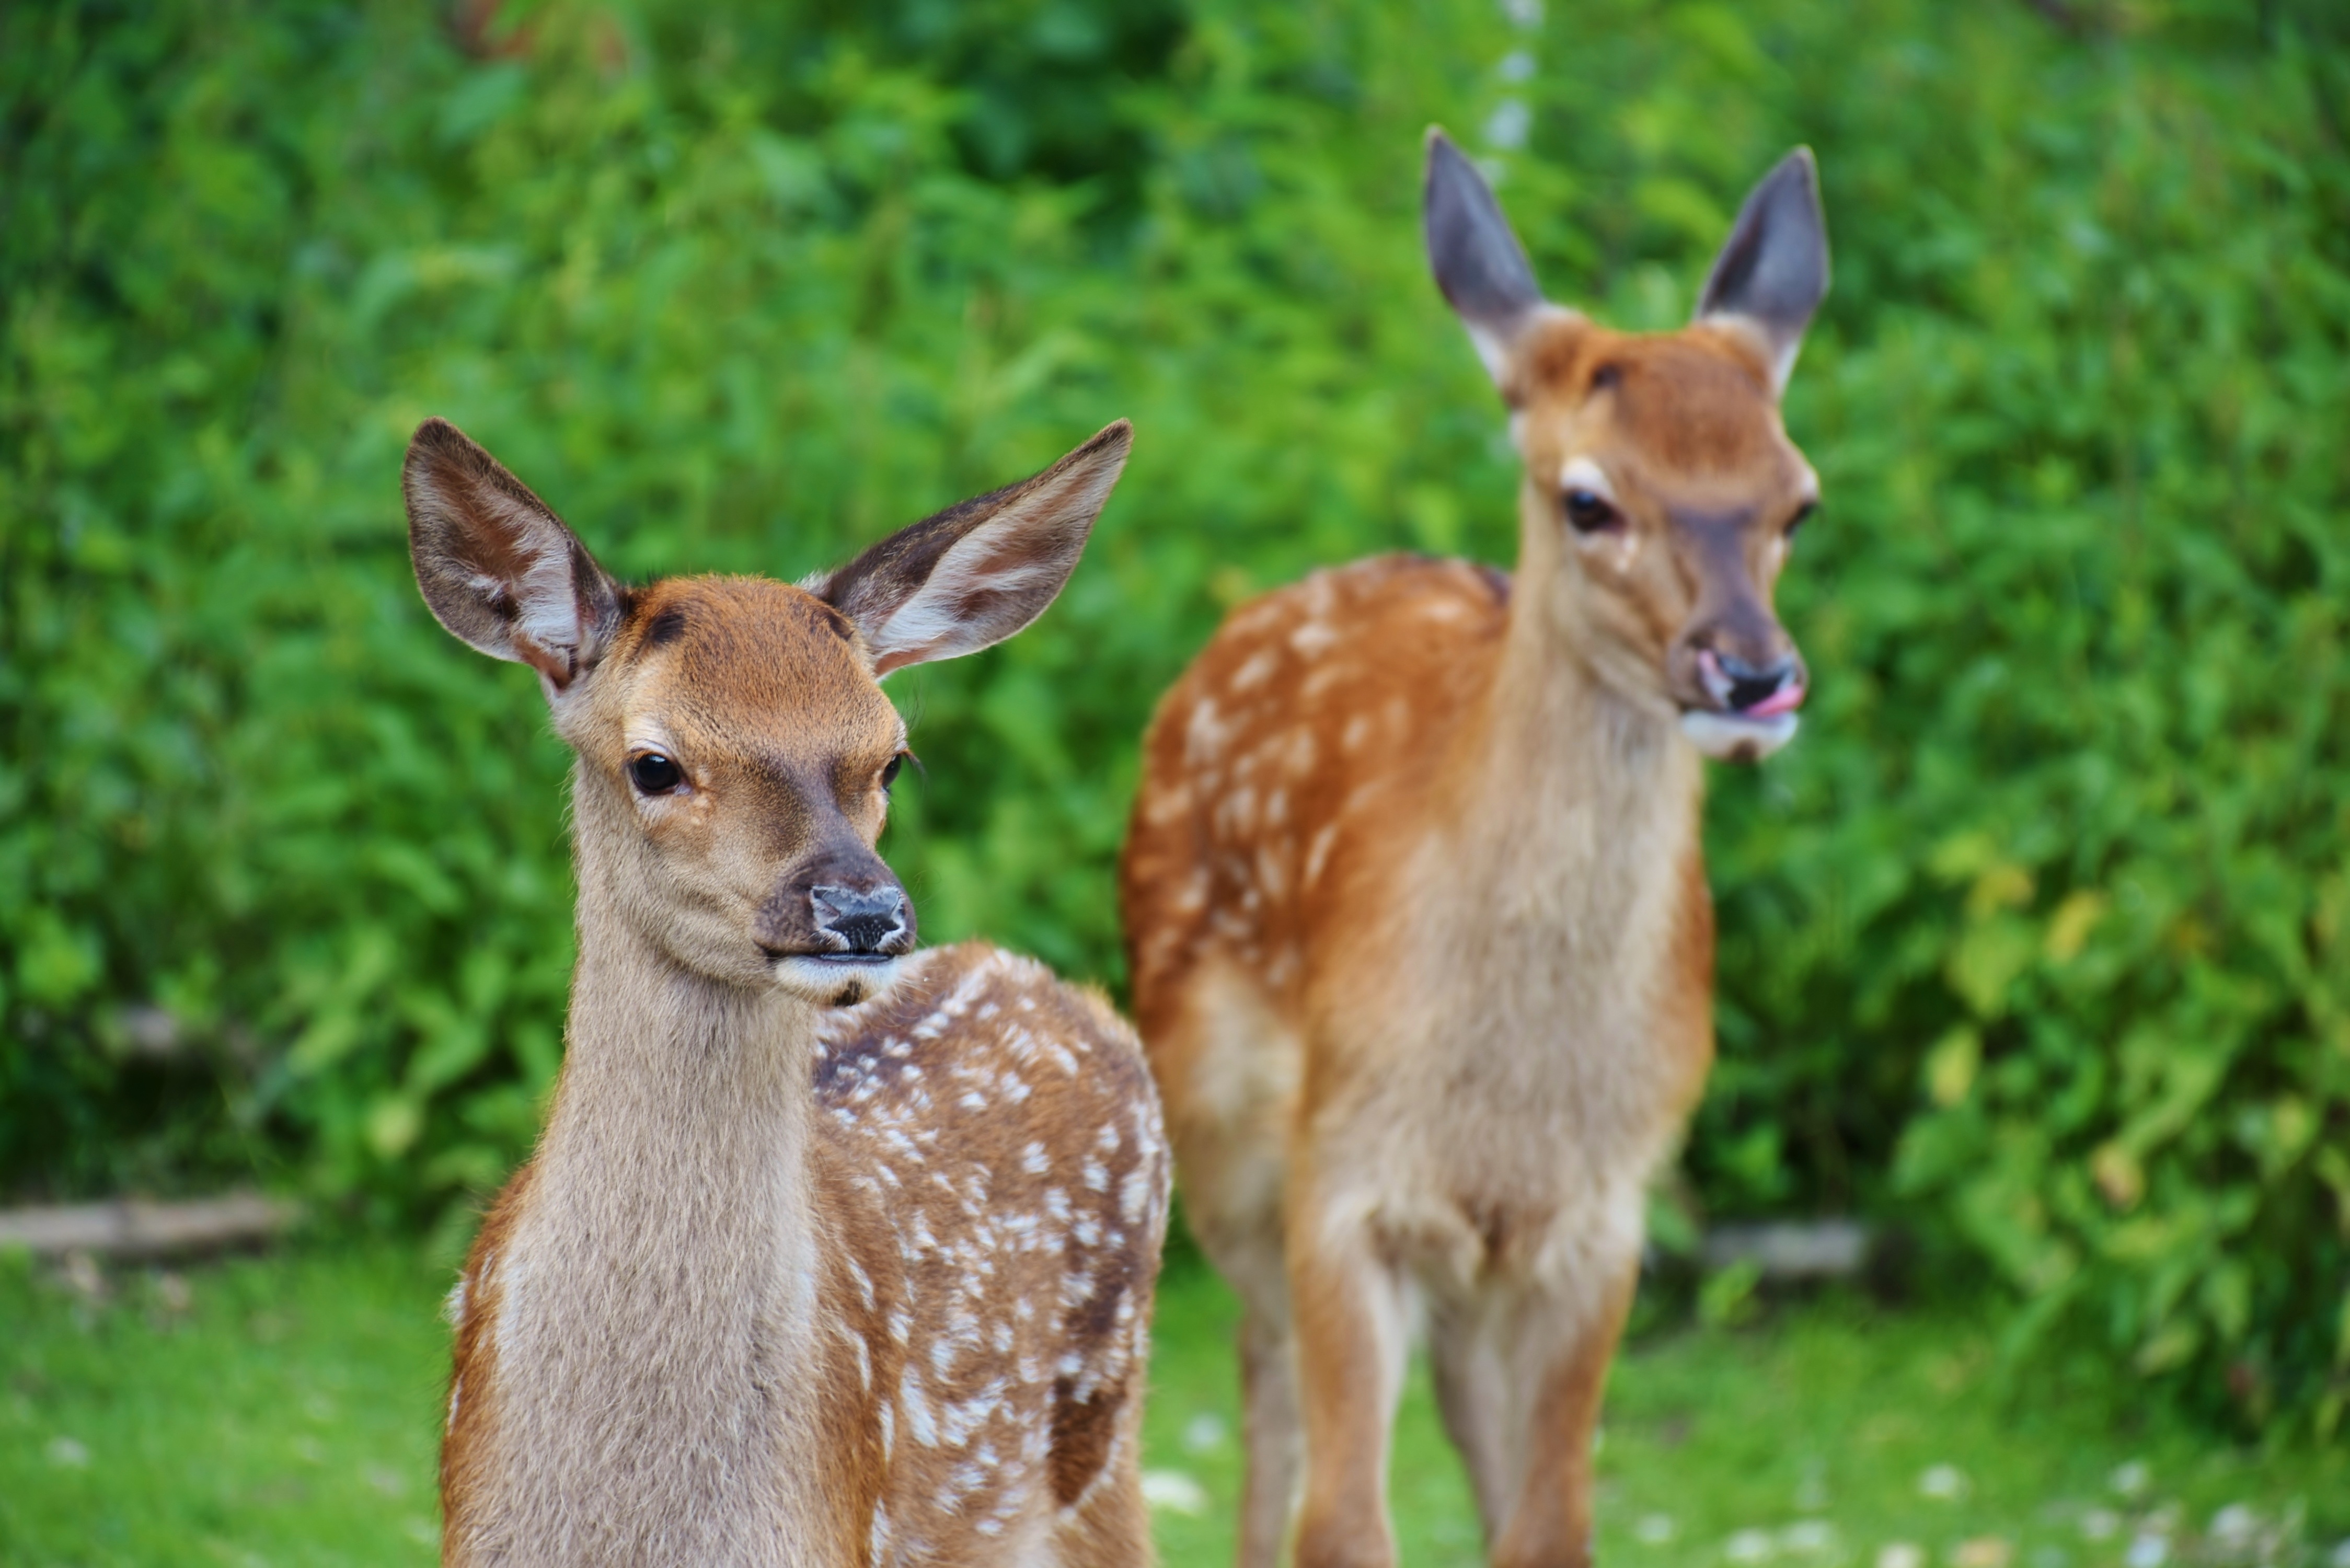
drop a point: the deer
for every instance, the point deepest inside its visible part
(832, 1250)
(1417, 918)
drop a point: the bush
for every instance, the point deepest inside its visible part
(2032, 941)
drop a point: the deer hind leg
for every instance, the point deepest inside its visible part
(1110, 1526)
(1476, 1395)
(1350, 1312)
(1564, 1341)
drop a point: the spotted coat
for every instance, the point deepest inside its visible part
(999, 1279)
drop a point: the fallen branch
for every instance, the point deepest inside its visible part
(1814, 1249)
(133, 1228)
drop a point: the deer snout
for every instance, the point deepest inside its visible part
(834, 934)
(1754, 691)
(842, 909)
(861, 921)
(1738, 695)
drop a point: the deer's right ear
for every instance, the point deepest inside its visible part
(498, 568)
(1477, 259)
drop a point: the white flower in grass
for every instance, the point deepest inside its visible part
(1204, 1432)
(2130, 1479)
(1523, 12)
(2340, 1556)
(2235, 1525)
(1808, 1537)
(1901, 1554)
(68, 1453)
(1984, 1552)
(2146, 1551)
(1175, 1492)
(1943, 1484)
(1750, 1546)
(1654, 1529)
(2101, 1525)
(1517, 66)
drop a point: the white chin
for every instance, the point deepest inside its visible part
(830, 984)
(1730, 739)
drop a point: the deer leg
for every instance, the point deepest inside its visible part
(1472, 1393)
(1111, 1527)
(1565, 1343)
(1271, 1427)
(1350, 1311)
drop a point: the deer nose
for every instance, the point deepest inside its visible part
(1754, 691)
(863, 920)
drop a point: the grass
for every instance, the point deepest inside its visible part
(282, 1411)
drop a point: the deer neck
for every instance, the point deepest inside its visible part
(656, 1335)
(1576, 797)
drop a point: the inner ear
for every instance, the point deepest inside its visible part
(1773, 270)
(496, 565)
(1478, 262)
(973, 575)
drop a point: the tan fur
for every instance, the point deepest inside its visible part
(786, 1282)
(1421, 944)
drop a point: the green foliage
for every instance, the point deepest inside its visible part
(2035, 938)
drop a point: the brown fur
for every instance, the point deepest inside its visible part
(1421, 943)
(838, 1263)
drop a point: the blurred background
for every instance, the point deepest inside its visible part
(2035, 950)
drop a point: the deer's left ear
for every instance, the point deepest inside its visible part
(1773, 272)
(974, 574)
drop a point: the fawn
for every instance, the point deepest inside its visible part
(831, 1252)
(1421, 943)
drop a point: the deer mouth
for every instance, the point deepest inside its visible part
(1735, 737)
(833, 979)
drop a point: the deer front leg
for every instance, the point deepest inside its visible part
(1349, 1311)
(1467, 1351)
(1269, 1389)
(1563, 1351)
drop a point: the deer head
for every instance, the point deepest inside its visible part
(735, 749)
(1661, 494)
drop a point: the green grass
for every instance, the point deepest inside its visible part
(282, 1411)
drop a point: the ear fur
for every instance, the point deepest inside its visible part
(1476, 257)
(499, 569)
(971, 576)
(1772, 272)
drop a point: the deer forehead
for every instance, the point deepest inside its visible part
(750, 668)
(1689, 410)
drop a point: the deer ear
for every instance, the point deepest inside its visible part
(499, 569)
(1773, 271)
(974, 574)
(1477, 261)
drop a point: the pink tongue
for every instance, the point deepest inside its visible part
(1785, 700)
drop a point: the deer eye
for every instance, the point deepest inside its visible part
(654, 773)
(1589, 512)
(890, 770)
(1802, 514)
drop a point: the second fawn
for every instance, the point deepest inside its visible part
(832, 1251)
(1421, 944)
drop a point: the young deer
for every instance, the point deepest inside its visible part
(832, 1251)
(1421, 945)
